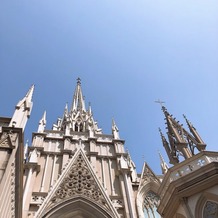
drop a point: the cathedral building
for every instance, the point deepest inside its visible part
(74, 170)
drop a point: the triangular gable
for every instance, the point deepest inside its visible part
(77, 180)
(148, 175)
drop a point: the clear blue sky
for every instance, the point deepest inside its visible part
(127, 53)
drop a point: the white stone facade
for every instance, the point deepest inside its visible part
(75, 170)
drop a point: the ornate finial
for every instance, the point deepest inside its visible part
(164, 166)
(78, 81)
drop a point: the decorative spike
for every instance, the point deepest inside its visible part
(90, 109)
(26, 151)
(170, 151)
(66, 109)
(164, 166)
(201, 145)
(42, 123)
(115, 130)
(29, 94)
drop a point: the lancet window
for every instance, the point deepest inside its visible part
(150, 205)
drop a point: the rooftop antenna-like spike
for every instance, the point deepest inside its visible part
(42, 123)
(163, 164)
(115, 130)
(195, 134)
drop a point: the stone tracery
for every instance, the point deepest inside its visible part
(210, 210)
(79, 181)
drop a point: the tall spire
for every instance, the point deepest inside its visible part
(115, 130)
(78, 103)
(23, 110)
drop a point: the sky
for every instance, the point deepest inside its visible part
(127, 53)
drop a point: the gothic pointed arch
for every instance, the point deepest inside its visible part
(147, 197)
(178, 215)
(207, 206)
(78, 207)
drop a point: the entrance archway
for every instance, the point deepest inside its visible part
(78, 208)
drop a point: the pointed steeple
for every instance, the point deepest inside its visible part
(181, 141)
(77, 119)
(66, 109)
(29, 94)
(23, 110)
(163, 164)
(90, 109)
(78, 103)
(115, 130)
(177, 135)
(42, 123)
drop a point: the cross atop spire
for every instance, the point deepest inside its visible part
(160, 102)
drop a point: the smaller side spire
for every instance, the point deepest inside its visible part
(115, 130)
(25, 156)
(171, 151)
(200, 145)
(42, 123)
(23, 110)
(66, 109)
(90, 109)
(29, 94)
(163, 164)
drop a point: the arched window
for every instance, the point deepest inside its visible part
(78, 127)
(210, 210)
(150, 205)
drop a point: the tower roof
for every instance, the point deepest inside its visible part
(78, 103)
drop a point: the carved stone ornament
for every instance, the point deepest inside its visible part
(5, 141)
(79, 182)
